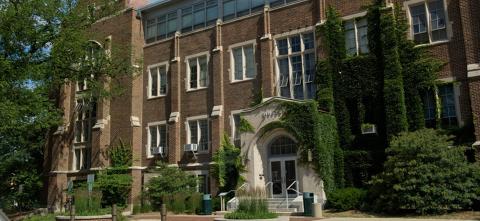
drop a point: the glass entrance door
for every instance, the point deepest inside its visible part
(282, 174)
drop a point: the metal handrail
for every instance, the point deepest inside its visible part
(290, 188)
(271, 189)
(222, 206)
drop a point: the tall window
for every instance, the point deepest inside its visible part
(198, 131)
(202, 183)
(157, 138)
(356, 40)
(296, 66)
(428, 21)
(199, 15)
(197, 72)
(157, 81)
(448, 109)
(243, 62)
(85, 111)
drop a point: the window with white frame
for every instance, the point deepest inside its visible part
(295, 56)
(157, 81)
(356, 40)
(243, 62)
(428, 21)
(198, 133)
(197, 72)
(202, 183)
(157, 138)
(80, 158)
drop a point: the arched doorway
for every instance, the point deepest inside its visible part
(282, 157)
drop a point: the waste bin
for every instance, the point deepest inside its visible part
(207, 204)
(308, 204)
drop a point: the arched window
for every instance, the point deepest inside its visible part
(283, 146)
(94, 50)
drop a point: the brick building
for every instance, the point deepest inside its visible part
(204, 61)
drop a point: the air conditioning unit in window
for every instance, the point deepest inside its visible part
(157, 151)
(369, 129)
(191, 147)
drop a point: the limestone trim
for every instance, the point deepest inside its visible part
(473, 70)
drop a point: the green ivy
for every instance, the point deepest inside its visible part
(120, 155)
(245, 126)
(228, 165)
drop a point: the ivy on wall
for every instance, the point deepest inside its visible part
(316, 134)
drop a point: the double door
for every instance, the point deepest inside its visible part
(283, 173)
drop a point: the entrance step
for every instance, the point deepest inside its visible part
(280, 205)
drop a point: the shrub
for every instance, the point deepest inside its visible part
(85, 205)
(48, 217)
(346, 199)
(171, 180)
(193, 203)
(252, 205)
(424, 174)
(115, 187)
(176, 203)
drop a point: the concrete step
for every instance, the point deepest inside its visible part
(280, 205)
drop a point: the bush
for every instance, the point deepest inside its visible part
(48, 217)
(346, 199)
(252, 205)
(115, 188)
(171, 180)
(424, 174)
(88, 206)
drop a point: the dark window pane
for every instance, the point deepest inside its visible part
(228, 9)
(243, 7)
(199, 15)
(212, 12)
(282, 47)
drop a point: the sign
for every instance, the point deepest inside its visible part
(272, 114)
(90, 180)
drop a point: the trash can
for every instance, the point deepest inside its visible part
(307, 204)
(207, 204)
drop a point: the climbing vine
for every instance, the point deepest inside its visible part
(228, 165)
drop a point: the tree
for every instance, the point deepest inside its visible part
(42, 45)
(170, 180)
(424, 174)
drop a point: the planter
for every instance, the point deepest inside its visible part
(87, 218)
(223, 219)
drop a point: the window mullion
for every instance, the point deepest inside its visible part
(198, 71)
(290, 76)
(199, 133)
(303, 76)
(244, 63)
(356, 36)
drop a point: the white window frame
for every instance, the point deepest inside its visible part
(355, 18)
(242, 45)
(289, 54)
(187, 62)
(456, 94)
(205, 173)
(149, 140)
(149, 87)
(406, 7)
(199, 133)
(83, 152)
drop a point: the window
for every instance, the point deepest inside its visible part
(448, 111)
(197, 72)
(157, 137)
(157, 81)
(428, 22)
(212, 12)
(283, 146)
(198, 131)
(161, 27)
(236, 135)
(296, 66)
(243, 62)
(86, 112)
(238, 8)
(202, 183)
(356, 40)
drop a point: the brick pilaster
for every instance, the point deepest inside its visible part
(174, 142)
(266, 51)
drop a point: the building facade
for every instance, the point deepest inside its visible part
(206, 61)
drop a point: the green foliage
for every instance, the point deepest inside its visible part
(346, 199)
(170, 180)
(316, 133)
(180, 203)
(120, 155)
(228, 165)
(245, 126)
(257, 97)
(339, 164)
(86, 204)
(424, 174)
(42, 44)
(358, 165)
(115, 187)
(252, 205)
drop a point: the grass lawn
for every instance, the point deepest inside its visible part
(472, 215)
